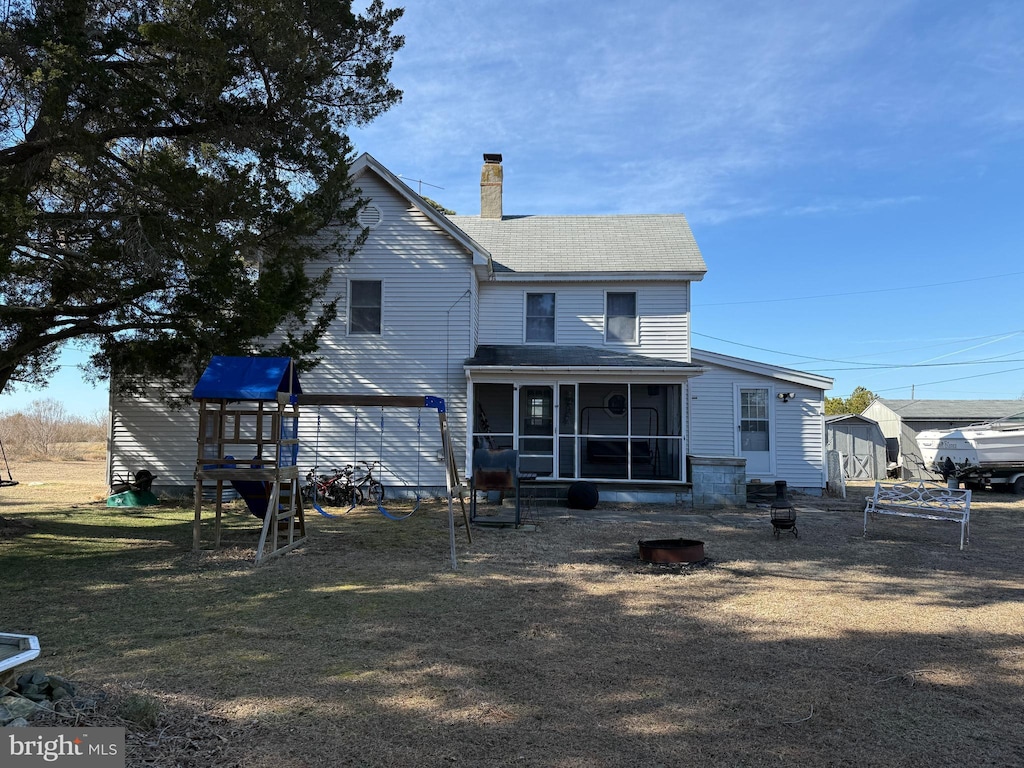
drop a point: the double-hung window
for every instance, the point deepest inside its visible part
(540, 318)
(620, 317)
(364, 307)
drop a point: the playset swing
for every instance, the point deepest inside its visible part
(375, 488)
(6, 482)
(380, 462)
(316, 463)
(402, 401)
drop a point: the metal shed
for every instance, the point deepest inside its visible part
(861, 443)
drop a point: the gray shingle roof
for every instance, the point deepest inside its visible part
(975, 410)
(594, 244)
(849, 417)
(566, 357)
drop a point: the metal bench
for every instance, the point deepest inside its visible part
(17, 649)
(928, 501)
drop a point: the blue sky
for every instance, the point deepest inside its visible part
(851, 171)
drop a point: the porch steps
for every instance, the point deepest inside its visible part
(760, 493)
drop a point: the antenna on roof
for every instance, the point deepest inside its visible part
(420, 182)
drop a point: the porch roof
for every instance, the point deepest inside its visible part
(526, 356)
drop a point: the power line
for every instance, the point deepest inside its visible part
(895, 367)
(949, 381)
(880, 366)
(858, 293)
(774, 351)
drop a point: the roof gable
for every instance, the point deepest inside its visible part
(851, 418)
(761, 369)
(366, 163)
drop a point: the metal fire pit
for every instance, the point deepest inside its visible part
(671, 551)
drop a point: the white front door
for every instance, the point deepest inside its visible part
(754, 430)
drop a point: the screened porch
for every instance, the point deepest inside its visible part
(569, 430)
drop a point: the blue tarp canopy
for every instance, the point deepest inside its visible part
(247, 378)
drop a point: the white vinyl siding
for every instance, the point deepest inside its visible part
(425, 337)
(428, 310)
(663, 316)
(798, 426)
(147, 434)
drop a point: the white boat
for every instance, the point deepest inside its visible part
(980, 454)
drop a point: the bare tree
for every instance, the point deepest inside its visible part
(45, 422)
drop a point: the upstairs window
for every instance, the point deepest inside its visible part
(364, 307)
(540, 318)
(620, 317)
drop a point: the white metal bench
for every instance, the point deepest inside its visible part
(17, 649)
(929, 501)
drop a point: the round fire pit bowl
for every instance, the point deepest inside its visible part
(662, 551)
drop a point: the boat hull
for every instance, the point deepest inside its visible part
(973, 449)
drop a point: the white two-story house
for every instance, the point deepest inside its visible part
(564, 337)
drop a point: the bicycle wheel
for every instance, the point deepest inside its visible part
(334, 494)
(376, 491)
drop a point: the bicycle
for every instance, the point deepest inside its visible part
(350, 485)
(362, 482)
(329, 489)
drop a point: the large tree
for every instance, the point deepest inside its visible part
(163, 164)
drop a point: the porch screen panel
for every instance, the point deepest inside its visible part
(493, 419)
(537, 430)
(567, 431)
(604, 426)
(655, 414)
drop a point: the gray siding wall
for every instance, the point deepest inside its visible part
(797, 426)
(662, 308)
(426, 336)
(888, 421)
(911, 463)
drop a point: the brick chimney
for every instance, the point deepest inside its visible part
(490, 187)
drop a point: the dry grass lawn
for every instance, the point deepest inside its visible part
(548, 647)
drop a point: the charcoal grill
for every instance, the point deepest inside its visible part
(783, 512)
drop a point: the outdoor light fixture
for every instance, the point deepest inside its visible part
(786, 396)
